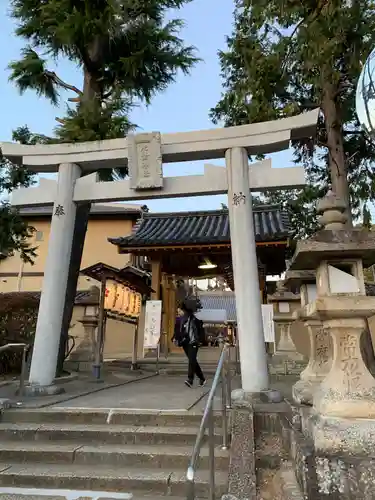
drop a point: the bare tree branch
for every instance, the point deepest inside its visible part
(61, 83)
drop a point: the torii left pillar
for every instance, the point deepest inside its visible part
(51, 308)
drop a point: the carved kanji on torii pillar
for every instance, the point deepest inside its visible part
(146, 154)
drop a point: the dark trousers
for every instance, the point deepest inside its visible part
(191, 352)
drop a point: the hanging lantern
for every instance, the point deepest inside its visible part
(119, 298)
(132, 305)
(126, 300)
(110, 295)
(138, 305)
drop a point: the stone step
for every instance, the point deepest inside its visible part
(269, 451)
(13, 493)
(130, 479)
(279, 484)
(101, 434)
(289, 484)
(269, 486)
(157, 457)
(55, 494)
(72, 416)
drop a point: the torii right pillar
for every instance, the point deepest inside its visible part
(253, 359)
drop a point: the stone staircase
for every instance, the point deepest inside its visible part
(275, 476)
(145, 454)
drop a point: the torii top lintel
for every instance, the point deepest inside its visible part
(257, 138)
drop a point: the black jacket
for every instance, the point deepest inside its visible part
(189, 330)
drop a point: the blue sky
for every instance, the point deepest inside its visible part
(183, 106)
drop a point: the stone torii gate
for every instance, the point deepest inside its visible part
(145, 155)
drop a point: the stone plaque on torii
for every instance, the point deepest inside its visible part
(145, 154)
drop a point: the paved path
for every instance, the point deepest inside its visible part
(163, 392)
(73, 387)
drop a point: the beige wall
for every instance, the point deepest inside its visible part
(17, 276)
(96, 249)
(119, 336)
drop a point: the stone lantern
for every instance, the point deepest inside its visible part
(284, 304)
(83, 355)
(320, 355)
(344, 402)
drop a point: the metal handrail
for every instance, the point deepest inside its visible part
(222, 374)
(25, 348)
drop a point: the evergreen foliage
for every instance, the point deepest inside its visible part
(14, 231)
(127, 52)
(125, 49)
(286, 57)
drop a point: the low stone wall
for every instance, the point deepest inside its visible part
(322, 476)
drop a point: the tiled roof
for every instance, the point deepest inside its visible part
(129, 275)
(220, 300)
(96, 209)
(184, 228)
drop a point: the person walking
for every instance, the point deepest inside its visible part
(189, 334)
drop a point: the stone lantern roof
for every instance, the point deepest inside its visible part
(282, 294)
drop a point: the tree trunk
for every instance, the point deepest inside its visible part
(80, 228)
(335, 143)
(340, 185)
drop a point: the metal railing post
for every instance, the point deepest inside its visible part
(224, 407)
(211, 454)
(207, 422)
(190, 492)
(237, 347)
(23, 370)
(229, 379)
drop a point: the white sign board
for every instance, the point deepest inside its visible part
(152, 324)
(212, 315)
(268, 324)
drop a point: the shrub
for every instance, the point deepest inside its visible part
(18, 316)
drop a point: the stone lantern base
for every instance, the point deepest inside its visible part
(334, 458)
(334, 435)
(319, 364)
(287, 360)
(343, 415)
(348, 391)
(82, 357)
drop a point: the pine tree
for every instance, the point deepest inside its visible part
(286, 57)
(14, 232)
(126, 51)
